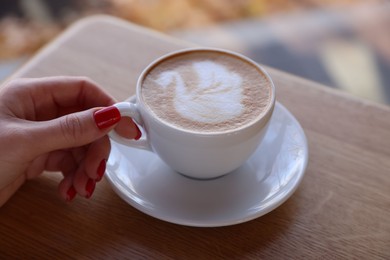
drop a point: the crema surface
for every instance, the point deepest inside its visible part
(206, 91)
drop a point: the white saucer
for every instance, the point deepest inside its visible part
(263, 183)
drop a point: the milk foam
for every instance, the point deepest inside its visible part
(215, 97)
(206, 91)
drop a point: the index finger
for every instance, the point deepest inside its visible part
(55, 96)
(71, 91)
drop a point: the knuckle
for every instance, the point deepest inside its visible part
(85, 81)
(71, 127)
(82, 80)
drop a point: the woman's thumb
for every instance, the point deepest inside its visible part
(77, 129)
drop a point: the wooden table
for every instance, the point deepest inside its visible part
(340, 210)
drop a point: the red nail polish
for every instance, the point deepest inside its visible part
(70, 194)
(101, 169)
(139, 133)
(107, 117)
(90, 187)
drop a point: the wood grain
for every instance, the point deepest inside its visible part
(340, 211)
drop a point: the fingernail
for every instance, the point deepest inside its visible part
(139, 133)
(70, 194)
(101, 169)
(90, 187)
(107, 117)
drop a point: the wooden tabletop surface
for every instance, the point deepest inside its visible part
(340, 210)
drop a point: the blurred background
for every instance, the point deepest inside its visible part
(343, 44)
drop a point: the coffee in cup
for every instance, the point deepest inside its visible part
(203, 111)
(206, 92)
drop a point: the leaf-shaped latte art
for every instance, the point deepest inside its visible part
(215, 96)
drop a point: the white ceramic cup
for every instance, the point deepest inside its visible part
(196, 155)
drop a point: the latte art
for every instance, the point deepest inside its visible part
(214, 98)
(206, 91)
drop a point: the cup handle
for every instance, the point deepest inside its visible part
(130, 109)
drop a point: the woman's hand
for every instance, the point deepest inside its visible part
(56, 124)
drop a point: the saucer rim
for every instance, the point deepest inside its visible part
(278, 199)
